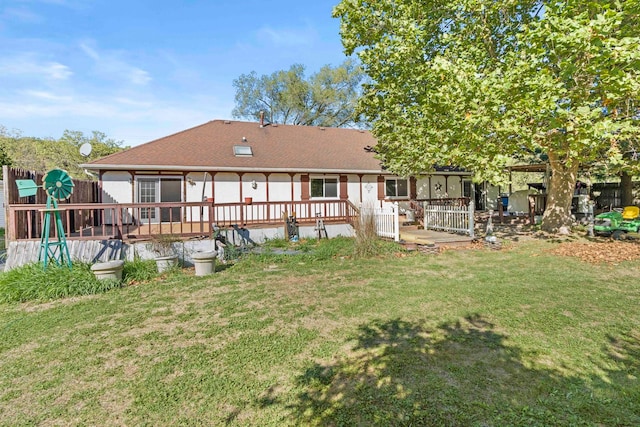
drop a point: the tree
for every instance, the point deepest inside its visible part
(475, 83)
(42, 154)
(327, 98)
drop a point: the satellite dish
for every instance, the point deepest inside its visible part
(85, 149)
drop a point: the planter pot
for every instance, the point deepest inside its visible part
(205, 262)
(248, 200)
(167, 262)
(110, 270)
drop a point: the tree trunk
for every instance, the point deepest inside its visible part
(561, 188)
(626, 189)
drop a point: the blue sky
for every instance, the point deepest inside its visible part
(141, 69)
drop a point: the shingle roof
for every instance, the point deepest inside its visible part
(275, 148)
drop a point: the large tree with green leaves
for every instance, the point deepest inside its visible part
(42, 154)
(327, 98)
(478, 82)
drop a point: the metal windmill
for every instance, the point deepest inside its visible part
(59, 186)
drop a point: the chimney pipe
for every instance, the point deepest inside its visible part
(261, 118)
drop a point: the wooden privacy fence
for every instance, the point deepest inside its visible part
(456, 219)
(387, 220)
(84, 191)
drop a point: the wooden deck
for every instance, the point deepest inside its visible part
(412, 234)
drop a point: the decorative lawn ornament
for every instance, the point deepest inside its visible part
(59, 186)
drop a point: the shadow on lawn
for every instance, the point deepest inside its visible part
(457, 374)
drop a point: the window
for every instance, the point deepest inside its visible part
(396, 188)
(324, 187)
(242, 151)
(467, 188)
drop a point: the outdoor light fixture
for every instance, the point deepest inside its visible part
(254, 184)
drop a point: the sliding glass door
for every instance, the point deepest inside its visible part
(156, 190)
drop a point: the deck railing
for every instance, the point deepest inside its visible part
(143, 220)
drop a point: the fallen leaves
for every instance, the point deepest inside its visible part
(600, 252)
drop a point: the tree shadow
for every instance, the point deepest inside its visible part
(463, 373)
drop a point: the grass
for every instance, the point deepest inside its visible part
(32, 282)
(470, 337)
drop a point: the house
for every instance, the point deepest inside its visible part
(231, 163)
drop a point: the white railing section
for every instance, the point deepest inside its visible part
(456, 219)
(387, 220)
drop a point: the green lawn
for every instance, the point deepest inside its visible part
(467, 337)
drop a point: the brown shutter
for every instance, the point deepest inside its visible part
(380, 187)
(344, 192)
(304, 183)
(413, 188)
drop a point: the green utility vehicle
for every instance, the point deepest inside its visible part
(618, 223)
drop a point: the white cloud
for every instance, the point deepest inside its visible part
(133, 102)
(29, 65)
(287, 36)
(111, 65)
(91, 53)
(20, 14)
(47, 96)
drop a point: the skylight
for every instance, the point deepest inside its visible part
(242, 150)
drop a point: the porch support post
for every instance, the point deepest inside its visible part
(213, 185)
(510, 185)
(266, 183)
(360, 178)
(240, 174)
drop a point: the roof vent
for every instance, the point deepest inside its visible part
(244, 139)
(322, 128)
(275, 125)
(226, 122)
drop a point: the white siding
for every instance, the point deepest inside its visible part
(258, 194)
(227, 189)
(280, 187)
(353, 188)
(116, 187)
(370, 190)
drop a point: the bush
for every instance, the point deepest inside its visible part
(139, 270)
(366, 241)
(32, 282)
